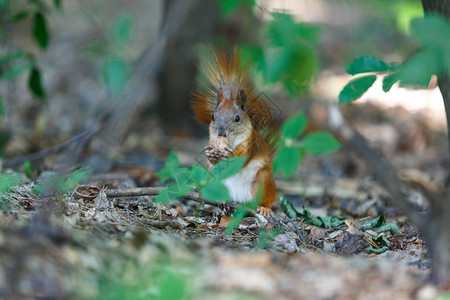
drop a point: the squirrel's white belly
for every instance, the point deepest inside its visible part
(240, 185)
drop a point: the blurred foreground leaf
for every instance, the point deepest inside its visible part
(287, 160)
(320, 142)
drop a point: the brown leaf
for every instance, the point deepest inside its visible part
(224, 221)
(87, 192)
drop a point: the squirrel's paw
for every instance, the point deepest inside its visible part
(215, 154)
(264, 211)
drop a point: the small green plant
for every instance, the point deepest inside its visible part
(209, 183)
(112, 54)
(7, 182)
(61, 184)
(292, 149)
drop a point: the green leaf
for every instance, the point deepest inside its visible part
(215, 191)
(309, 218)
(40, 31)
(390, 80)
(253, 55)
(3, 3)
(172, 161)
(432, 31)
(181, 175)
(332, 221)
(394, 66)
(228, 167)
(370, 249)
(10, 57)
(170, 165)
(377, 222)
(15, 71)
(122, 29)
(20, 16)
(115, 74)
(227, 7)
(356, 88)
(381, 240)
(287, 160)
(163, 196)
(172, 192)
(418, 68)
(35, 83)
(7, 181)
(365, 64)
(2, 107)
(283, 31)
(199, 175)
(241, 212)
(28, 169)
(290, 58)
(266, 237)
(292, 65)
(74, 178)
(4, 138)
(391, 227)
(57, 4)
(320, 142)
(288, 208)
(294, 126)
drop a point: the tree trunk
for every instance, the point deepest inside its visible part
(177, 79)
(437, 231)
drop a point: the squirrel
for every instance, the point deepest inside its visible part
(236, 115)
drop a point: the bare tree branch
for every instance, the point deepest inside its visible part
(382, 171)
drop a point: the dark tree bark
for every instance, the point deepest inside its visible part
(442, 7)
(177, 79)
(437, 231)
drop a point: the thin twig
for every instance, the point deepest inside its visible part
(406, 234)
(297, 230)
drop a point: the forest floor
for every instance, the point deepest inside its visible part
(66, 246)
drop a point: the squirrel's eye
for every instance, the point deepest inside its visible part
(237, 119)
(213, 117)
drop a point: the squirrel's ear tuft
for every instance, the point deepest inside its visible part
(219, 96)
(241, 99)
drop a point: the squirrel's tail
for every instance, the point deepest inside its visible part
(226, 70)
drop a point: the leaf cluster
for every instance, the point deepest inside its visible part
(433, 58)
(287, 54)
(21, 61)
(183, 180)
(116, 68)
(292, 148)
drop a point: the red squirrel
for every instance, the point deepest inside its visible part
(235, 115)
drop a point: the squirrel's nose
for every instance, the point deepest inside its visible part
(222, 132)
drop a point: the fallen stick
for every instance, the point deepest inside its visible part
(153, 191)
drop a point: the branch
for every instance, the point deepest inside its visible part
(153, 191)
(79, 139)
(383, 172)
